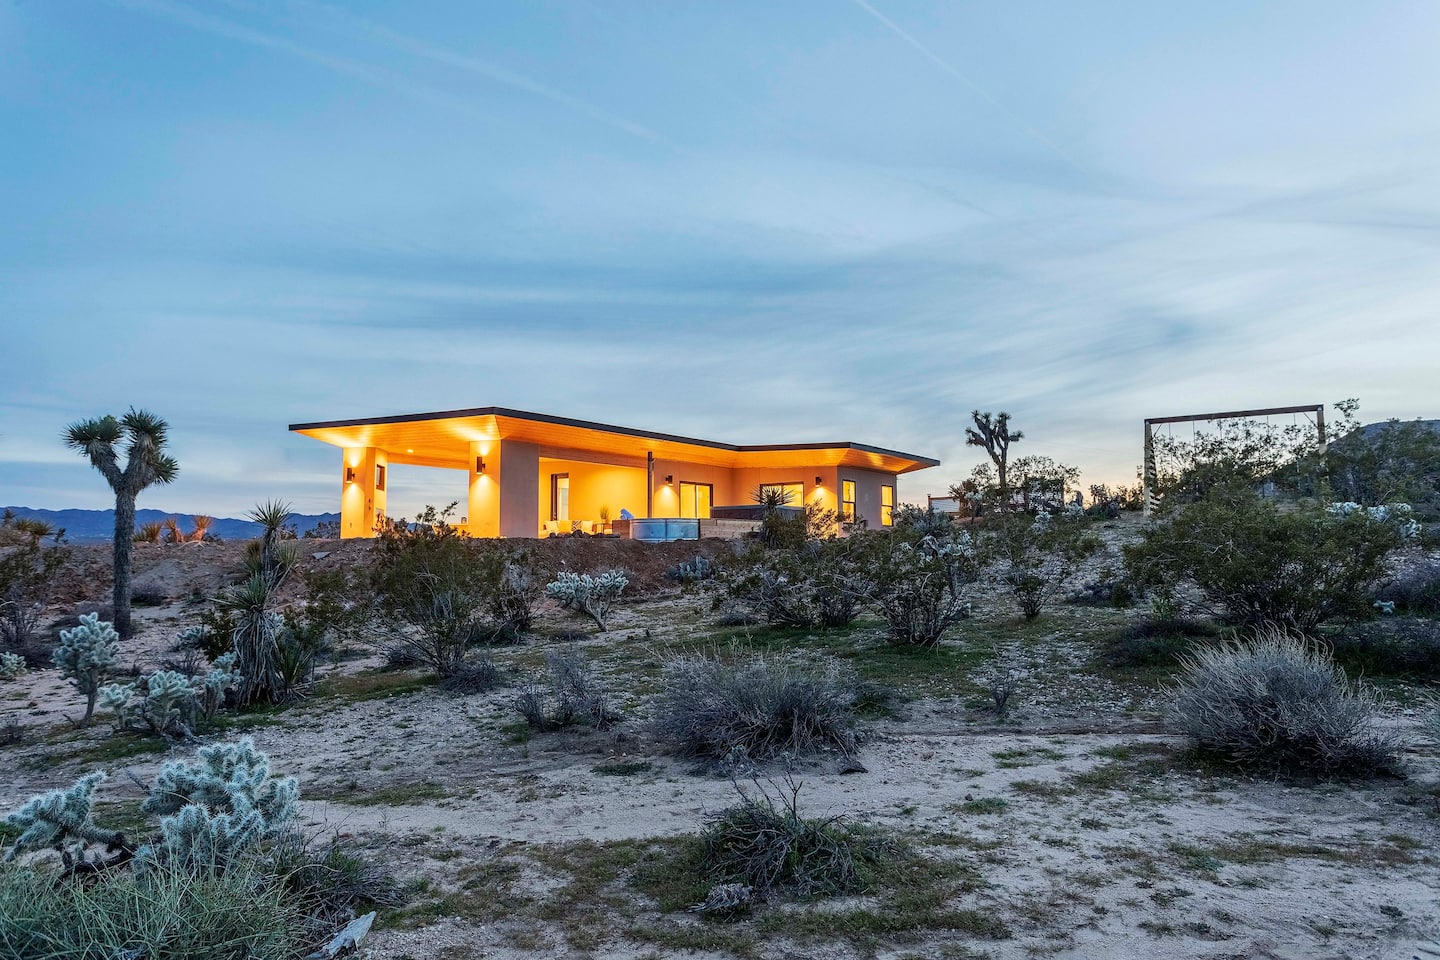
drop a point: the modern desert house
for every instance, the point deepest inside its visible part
(531, 474)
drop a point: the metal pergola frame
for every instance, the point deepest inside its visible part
(1149, 474)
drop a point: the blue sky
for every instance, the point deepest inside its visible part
(755, 222)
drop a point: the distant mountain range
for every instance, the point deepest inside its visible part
(89, 526)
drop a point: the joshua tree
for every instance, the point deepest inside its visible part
(143, 435)
(994, 434)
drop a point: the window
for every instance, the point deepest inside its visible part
(887, 505)
(792, 493)
(379, 476)
(559, 496)
(695, 499)
(847, 501)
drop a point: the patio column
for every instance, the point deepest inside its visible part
(362, 491)
(484, 499)
(504, 496)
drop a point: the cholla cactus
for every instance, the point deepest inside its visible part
(171, 701)
(592, 596)
(226, 778)
(58, 817)
(1398, 513)
(222, 677)
(118, 698)
(199, 839)
(12, 665)
(190, 638)
(86, 656)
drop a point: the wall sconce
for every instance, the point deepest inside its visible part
(819, 481)
(669, 479)
(479, 464)
(349, 474)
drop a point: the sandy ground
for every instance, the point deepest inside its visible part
(1156, 859)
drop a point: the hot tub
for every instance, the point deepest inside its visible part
(662, 529)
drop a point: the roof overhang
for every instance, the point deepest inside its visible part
(443, 440)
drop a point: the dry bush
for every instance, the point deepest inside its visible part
(817, 584)
(1276, 702)
(1254, 562)
(766, 706)
(766, 844)
(572, 695)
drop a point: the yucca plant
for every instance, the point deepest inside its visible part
(202, 527)
(272, 515)
(256, 637)
(171, 527)
(143, 436)
(148, 533)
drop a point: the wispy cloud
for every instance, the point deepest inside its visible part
(472, 64)
(1008, 112)
(386, 78)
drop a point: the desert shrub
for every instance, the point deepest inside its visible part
(766, 844)
(1106, 590)
(214, 635)
(331, 879)
(1254, 562)
(593, 596)
(86, 656)
(1390, 646)
(917, 581)
(922, 521)
(430, 590)
(11, 731)
(571, 695)
(1414, 587)
(817, 584)
(1001, 681)
(766, 706)
(1035, 558)
(12, 665)
(28, 572)
(515, 584)
(1377, 463)
(476, 675)
(1276, 702)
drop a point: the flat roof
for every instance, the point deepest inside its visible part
(443, 439)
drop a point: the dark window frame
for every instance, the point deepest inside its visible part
(555, 495)
(788, 483)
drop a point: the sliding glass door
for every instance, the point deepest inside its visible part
(696, 499)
